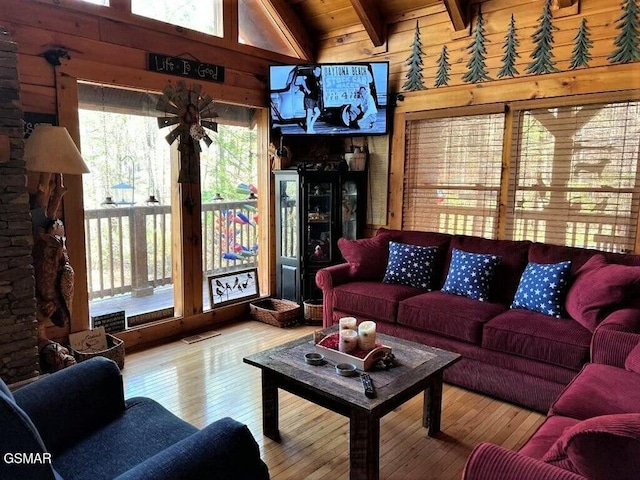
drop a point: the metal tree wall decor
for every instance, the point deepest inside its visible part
(414, 75)
(543, 39)
(580, 55)
(477, 71)
(627, 40)
(192, 113)
(510, 46)
(442, 75)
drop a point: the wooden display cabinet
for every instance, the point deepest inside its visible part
(313, 210)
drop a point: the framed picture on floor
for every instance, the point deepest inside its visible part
(231, 287)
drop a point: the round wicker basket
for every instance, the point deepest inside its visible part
(313, 312)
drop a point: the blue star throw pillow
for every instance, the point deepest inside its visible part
(470, 274)
(542, 288)
(410, 265)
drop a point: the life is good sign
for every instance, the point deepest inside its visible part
(183, 67)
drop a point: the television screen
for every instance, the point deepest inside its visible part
(329, 98)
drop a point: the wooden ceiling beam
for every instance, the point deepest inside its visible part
(457, 13)
(295, 32)
(369, 14)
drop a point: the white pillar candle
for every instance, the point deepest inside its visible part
(367, 335)
(348, 323)
(348, 341)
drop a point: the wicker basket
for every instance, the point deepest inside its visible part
(114, 351)
(313, 312)
(281, 313)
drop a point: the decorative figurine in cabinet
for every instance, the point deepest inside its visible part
(313, 210)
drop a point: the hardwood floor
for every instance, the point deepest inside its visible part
(205, 381)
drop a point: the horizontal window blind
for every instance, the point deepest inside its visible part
(574, 176)
(452, 174)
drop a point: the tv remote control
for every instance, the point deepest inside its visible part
(367, 383)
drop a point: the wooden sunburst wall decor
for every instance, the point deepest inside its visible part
(192, 113)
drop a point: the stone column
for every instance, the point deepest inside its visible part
(18, 324)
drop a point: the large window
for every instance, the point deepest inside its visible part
(130, 208)
(574, 173)
(452, 175)
(572, 180)
(200, 15)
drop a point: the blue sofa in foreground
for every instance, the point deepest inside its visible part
(76, 424)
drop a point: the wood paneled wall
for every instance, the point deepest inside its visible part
(601, 78)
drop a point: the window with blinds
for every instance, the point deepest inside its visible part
(452, 174)
(574, 176)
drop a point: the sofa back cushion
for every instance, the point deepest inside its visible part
(599, 288)
(513, 260)
(600, 448)
(547, 253)
(426, 239)
(367, 257)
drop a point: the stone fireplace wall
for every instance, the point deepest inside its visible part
(18, 324)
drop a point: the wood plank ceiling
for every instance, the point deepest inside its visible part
(303, 20)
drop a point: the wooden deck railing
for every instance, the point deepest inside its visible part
(129, 248)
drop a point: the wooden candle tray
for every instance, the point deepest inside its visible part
(365, 363)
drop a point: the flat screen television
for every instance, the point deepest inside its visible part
(329, 98)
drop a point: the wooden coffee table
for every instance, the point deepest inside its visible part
(420, 370)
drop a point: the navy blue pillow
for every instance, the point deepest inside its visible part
(542, 288)
(470, 274)
(410, 265)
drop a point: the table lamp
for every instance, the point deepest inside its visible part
(51, 151)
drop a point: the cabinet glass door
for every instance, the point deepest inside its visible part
(289, 218)
(320, 211)
(349, 206)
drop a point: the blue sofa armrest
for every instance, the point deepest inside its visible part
(492, 462)
(223, 450)
(70, 404)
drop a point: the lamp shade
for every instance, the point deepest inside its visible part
(51, 149)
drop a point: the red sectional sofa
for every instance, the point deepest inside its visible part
(592, 430)
(517, 355)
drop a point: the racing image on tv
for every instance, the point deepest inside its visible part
(329, 99)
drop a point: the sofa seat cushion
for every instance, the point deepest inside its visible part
(547, 435)
(373, 300)
(559, 341)
(450, 315)
(118, 443)
(599, 390)
(600, 448)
